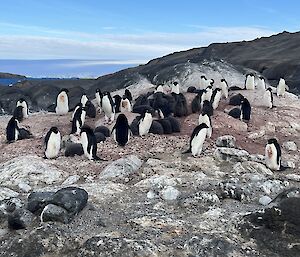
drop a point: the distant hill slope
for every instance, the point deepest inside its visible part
(276, 56)
(4, 75)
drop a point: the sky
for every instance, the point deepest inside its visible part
(134, 31)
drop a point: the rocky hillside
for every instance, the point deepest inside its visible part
(149, 199)
(10, 76)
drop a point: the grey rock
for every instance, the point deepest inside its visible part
(24, 187)
(226, 141)
(6, 193)
(53, 212)
(290, 146)
(231, 154)
(288, 164)
(169, 193)
(20, 219)
(264, 200)
(37, 201)
(121, 168)
(71, 180)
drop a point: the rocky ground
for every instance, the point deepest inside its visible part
(148, 199)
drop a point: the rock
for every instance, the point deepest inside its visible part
(151, 194)
(20, 219)
(30, 170)
(24, 187)
(157, 182)
(231, 154)
(71, 180)
(169, 193)
(6, 193)
(53, 212)
(288, 164)
(273, 186)
(294, 177)
(252, 168)
(226, 141)
(37, 201)
(103, 246)
(72, 199)
(264, 200)
(232, 190)
(290, 146)
(121, 168)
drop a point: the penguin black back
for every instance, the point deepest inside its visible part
(246, 109)
(18, 113)
(121, 130)
(128, 95)
(277, 146)
(207, 108)
(117, 100)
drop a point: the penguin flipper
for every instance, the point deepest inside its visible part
(187, 151)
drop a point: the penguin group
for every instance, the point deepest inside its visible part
(156, 112)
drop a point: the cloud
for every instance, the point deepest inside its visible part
(33, 42)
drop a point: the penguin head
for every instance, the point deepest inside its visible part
(203, 77)
(64, 90)
(223, 80)
(21, 100)
(122, 119)
(98, 90)
(54, 130)
(269, 89)
(209, 87)
(175, 83)
(272, 141)
(212, 82)
(86, 129)
(261, 78)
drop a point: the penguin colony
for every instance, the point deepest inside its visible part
(157, 114)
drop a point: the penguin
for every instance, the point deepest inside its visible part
(77, 106)
(175, 88)
(174, 123)
(98, 96)
(203, 82)
(128, 95)
(78, 120)
(74, 149)
(268, 98)
(207, 94)
(125, 105)
(249, 82)
(108, 107)
(216, 97)
(197, 139)
(245, 110)
(117, 100)
(121, 130)
(180, 106)
(22, 102)
(196, 103)
(100, 137)
(236, 99)
(224, 87)
(261, 84)
(52, 143)
(207, 108)
(12, 130)
(166, 124)
(145, 123)
(281, 87)
(191, 89)
(104, 130)
(62, 102)
(89, 143)
(156, 128)
(90, 109)
(134, 126)
(273, 154)
(204, 118)
(84, 99)
(18, 113)
(142, 108)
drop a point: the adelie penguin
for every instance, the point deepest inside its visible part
(243, 113)
(207, 94)
(268, 98)
(14, 133)
(84, 100)
(121, 130)
(216, 97)
(249, 82)
(98, 96)
(128, 95)
(18, 113)
(22, 102)
(261, 84)
(197, 140)
(175, 88)
(78, 120)
(89, 143)
(273, 154)
(203, 82)
(282, 86)
(62, 102)
(125, 105)
(205, 118)
(52, 143)
(145, 123)
(108, 107)
(117, 100)
(224, 87)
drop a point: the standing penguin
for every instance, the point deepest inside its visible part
(84, 99)
(128, 95)
(245, 110)
(216, 97)
(121, 130)
(203, 82)
(205, 118)
(268, 98)
(207, 94)
(12, 130)
(224, 87)
(125, 105)
(273, 154)
(197, 139)
(159, 88)
(52, 143)
(98, 96)
(77, 106)
(62, 102)
(78, 120)
(117, 100)
(145, 123)
(281, 87)
(18, 113)
(249, 82)
(89, 143)
(108, 107)
(175, 88)
(261, 84)
(22, 102)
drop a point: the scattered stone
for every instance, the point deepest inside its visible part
(20, 219)
(6, 193)
(121, 168)
(37, 201)
(151, 194)
(231, 154)
(169, 193)
(53, 212)
(294, 177)
(232, 190)
(273, 186)
(288, 164)
(71, 180)
(264, 200)
(24, 187)
(290, 146)
(226, 141)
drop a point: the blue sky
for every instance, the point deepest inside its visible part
(134, 31)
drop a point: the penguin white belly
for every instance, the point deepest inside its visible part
(98, 100)
(267, 100)
(16, 134)
(261, 85)
(197, 142)
(53, 146)
(250, 83)
(217, 100)
(84, 143)
(224, 90)
(77, 128)
(271, 157)
(144, 126)
(281, 89)
(62, 106)
(107, 108)
(175, 89)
